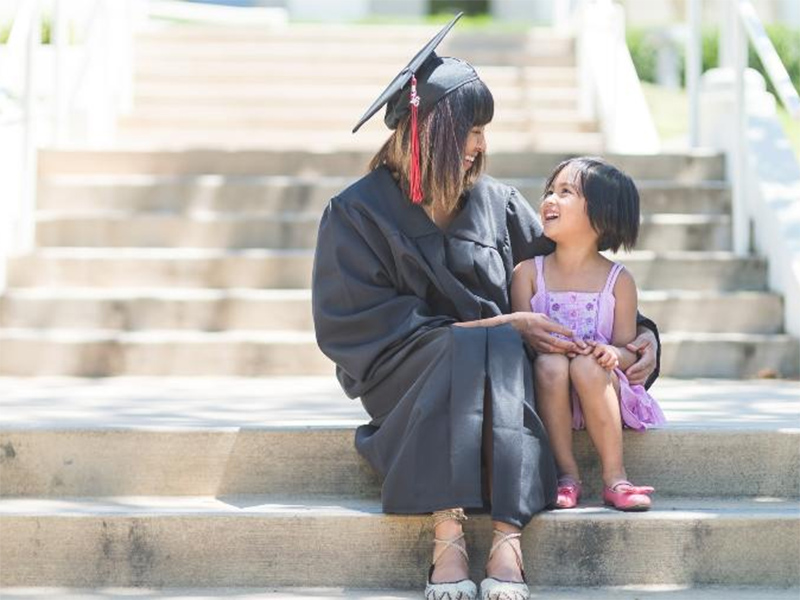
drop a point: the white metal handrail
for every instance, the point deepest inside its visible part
(94, 99)
(743, 25)
(769, 58)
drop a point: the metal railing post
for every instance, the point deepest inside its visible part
(693, 69)
(25, 235)
(741, 213)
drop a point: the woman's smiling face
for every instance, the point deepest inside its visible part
(476, 143)
(563, 210)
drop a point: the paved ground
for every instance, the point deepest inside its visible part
(617, 593)
(186, 403)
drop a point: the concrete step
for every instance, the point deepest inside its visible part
(731, 355)
(316, 95)
(323, 117)
(266, 541)
(276, 193)
(102, 353)
(341, 61)
(260, 268)
(678, 168)
(660, 233)
(167, 137)
(127, 436)
(628, 592)
(394, 43)
(138, 309)
(375, 76)
(190, 34)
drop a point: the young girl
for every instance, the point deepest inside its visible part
(588, 206)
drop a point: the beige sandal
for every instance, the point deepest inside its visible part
(464, 589)
(496, 589)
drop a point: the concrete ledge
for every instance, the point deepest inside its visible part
(134, 436)
(260, 268)
(261, 541)
(628, 592)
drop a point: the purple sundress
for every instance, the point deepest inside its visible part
(590, 316)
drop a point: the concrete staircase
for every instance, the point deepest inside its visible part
(198, 263)
(305, 87)
(138, 457)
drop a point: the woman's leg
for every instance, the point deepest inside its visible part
(503, 564)
(599, 397)
(551, 381)
(449, 564)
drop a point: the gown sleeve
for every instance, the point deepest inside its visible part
(527, 239)
(360, 318)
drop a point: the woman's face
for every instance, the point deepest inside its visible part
(563, 209)
(476, 143)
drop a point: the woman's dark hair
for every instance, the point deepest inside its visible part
(612, 200)
(443, 133)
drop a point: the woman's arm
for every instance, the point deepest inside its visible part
(536, 328)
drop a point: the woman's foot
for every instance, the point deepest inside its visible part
(448, 577)
(569, 492)
(449, 564)
(505, 576)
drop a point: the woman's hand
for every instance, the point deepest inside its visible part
(537, 329)
(645, 348)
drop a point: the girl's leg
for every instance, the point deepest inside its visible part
(599, 397)
(551, 380)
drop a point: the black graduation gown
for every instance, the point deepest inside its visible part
(387, 286)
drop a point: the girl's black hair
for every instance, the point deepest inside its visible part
(612, 200)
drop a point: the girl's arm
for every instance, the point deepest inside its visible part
(625, 308)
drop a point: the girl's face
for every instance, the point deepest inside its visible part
(563, 210)
(476, 143)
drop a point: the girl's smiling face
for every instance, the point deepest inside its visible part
(563, 210)
(476, 143)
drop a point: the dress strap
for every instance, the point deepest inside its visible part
(612, 278)
(541, 288)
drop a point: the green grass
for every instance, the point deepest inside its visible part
(670, 110)
(791, 128)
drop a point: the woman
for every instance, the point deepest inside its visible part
(411, 301)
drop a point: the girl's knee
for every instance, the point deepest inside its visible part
(585, 371)
(551, 368)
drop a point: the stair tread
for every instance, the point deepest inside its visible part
(178, 293)
(664, 509)
(628, 592)
(190, 403)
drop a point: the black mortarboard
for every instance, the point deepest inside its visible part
(436, 77)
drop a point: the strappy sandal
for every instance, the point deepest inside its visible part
(463, 589)
(497, 589)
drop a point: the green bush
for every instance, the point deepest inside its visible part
(5, 31)
(642, 43)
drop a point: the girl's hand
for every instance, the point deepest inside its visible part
(537, 329)
(588, 348)
(645, 348)
(607, 356)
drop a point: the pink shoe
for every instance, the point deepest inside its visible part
(569, 492)
(627, 497)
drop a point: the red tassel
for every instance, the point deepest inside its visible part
(415, 172)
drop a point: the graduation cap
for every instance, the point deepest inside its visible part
(421, 84)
